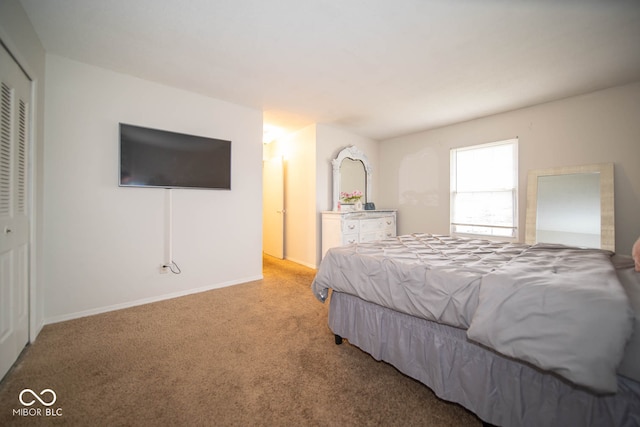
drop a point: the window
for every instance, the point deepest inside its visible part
(484, 181)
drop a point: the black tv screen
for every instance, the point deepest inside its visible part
(158, 158)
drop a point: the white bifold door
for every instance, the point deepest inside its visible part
(14, 220)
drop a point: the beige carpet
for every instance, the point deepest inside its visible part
(259, 353)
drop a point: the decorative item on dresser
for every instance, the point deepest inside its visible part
(345, 228)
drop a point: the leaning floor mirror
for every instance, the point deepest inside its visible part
(571, 206)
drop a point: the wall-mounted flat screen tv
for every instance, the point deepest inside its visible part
(158, 158)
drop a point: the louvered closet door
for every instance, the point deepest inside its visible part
(14, 222)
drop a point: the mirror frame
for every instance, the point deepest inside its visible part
(607, 213)
(353, 153)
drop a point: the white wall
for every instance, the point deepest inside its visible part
(103, 244)
(600, 127)
(17, 33)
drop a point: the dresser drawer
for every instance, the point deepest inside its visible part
(389, 223)
(350, 226)
(373, 224)
(389, 227)
(347, 228)
(348, 239)
(372, 236)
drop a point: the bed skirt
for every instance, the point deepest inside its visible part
(499, 390)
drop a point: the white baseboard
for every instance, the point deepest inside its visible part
(99, 310)
(315, 267)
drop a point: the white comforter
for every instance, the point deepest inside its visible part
(559, 308)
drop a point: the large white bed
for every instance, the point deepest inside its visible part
(518, 334)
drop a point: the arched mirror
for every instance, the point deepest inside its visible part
(351, 172)
(572, 206)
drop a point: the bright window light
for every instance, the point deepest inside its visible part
(484, 199)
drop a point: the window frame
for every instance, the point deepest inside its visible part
(514, 191)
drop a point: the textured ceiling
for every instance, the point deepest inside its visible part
(379, 68)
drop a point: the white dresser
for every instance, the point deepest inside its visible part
(344, 228)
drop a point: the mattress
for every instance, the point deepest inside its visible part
(393, 273)
(559, 308)
(500, 390)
